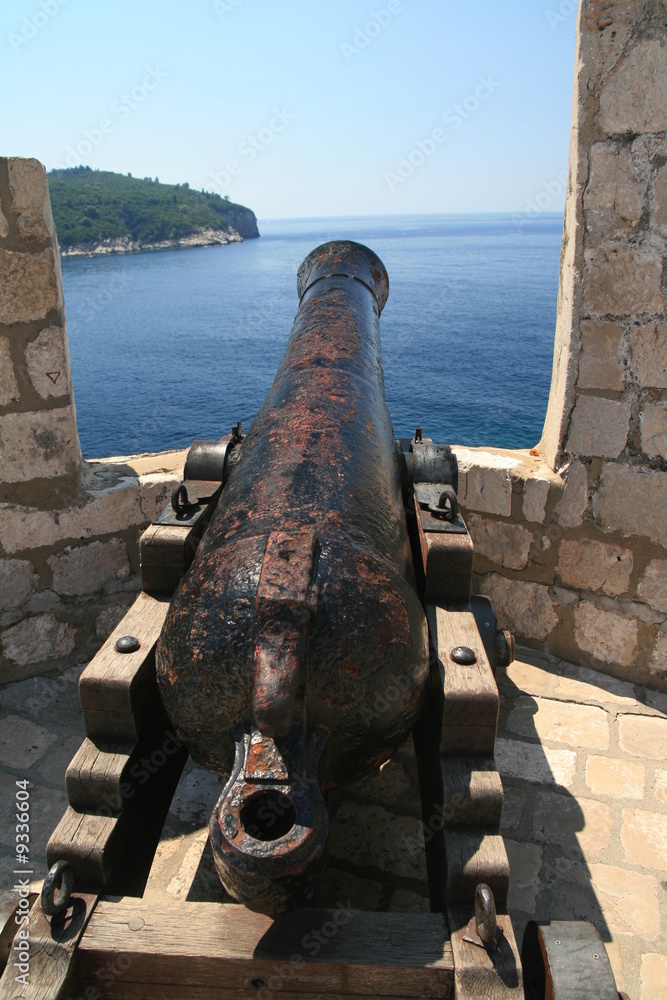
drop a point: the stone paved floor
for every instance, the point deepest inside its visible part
(584, 764)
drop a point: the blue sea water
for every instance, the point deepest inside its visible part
(175, 345)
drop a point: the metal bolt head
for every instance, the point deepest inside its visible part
(127, 644)
(463, 655)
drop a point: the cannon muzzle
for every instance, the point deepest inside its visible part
(300, 609)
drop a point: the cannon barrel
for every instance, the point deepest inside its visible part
(299, 615)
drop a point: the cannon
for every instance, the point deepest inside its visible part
(301, 605)
(298, 574)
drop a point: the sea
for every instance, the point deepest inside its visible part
(172, 345)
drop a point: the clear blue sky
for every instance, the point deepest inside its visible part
(317, 105)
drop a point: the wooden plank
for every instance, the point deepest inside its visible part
(144, 991)
(482, 975)
(166, 551)
(469, 696)
(96, 773)
(52, 953)
(448, 560)
(472, 792)
(473, 857)
(116, 682)
(88, 842)
(9, 902)
(335, 952)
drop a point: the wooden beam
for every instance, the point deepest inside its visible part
(118, 685)
(343, 953)
(52, 953)
(468, 694)
(480, 974)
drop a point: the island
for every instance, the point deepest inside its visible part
(101, 212)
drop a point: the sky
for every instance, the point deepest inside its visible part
(300, 108)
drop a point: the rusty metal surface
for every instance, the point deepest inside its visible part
(301, 603)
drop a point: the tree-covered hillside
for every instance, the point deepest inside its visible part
(94, 205)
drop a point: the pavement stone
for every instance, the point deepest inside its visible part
(582, 760)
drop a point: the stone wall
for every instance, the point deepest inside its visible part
(571, 537)
(69, 557)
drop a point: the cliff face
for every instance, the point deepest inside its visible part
(243, 220)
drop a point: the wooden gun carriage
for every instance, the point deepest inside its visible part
(337, 536)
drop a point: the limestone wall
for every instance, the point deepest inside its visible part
(69, 529)
(571, 538)
(572, 543)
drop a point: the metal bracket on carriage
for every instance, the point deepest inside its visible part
(207, 468)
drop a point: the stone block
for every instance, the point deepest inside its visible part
(567, 682)
(633, 500)
(30, 195)
(17, 582)
(513, 802)
(618, 779)
(634, 96)
(567, 822)
(570, 508)
(644, 838)
(36, 639)
(628, 899)
(48, 363)
(560, 722)
(600, 359)
(87, 569)
(155, 492)
(39, 444)
(660, 786)
(535, 496)
(654, 430)
(643, 736)
(502, 543)
(9, 389)
(4, 226)
(659, 218)
(622, 280)
(364, 893)
(404, 901)
(22, 742)
(29, 287)
(654, 977)
(484, 481)
(608, 636)
(648, 348)
(653, 586)
(658, 663)
(535, 763)
(525, 608)
(598, 427)
(371, 836)
(525, 865)
(616, 188)
(589, 565)
(104, 512)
